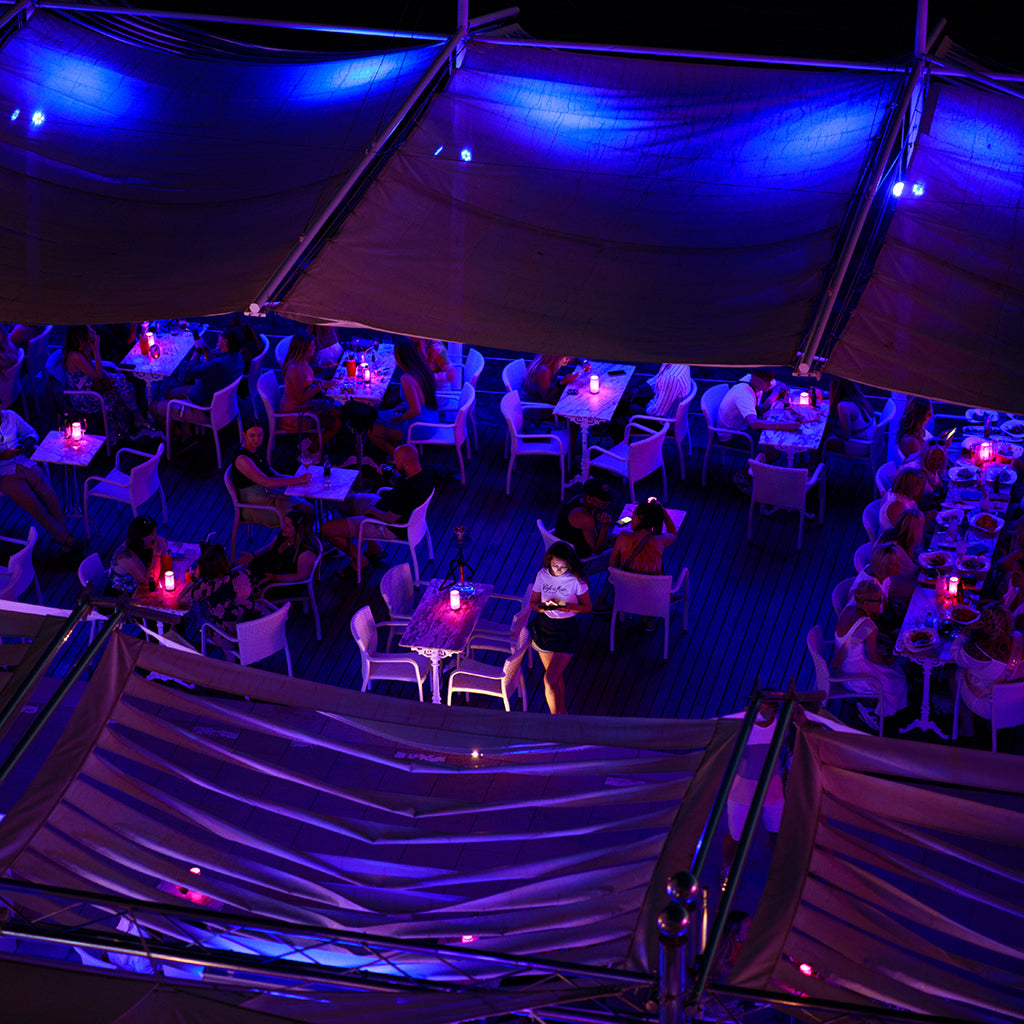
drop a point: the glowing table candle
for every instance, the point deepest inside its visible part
(76, 431)
(595, 383)
(169, 580)
(455, 600)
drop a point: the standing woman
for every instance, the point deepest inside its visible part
(560, 593)
(420, 400)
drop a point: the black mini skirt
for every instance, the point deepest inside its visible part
(556, 636)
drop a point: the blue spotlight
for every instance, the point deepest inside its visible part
(437, 152)
(14, 113)
(917, 188)
(38, 117)
(897, 189)
(466, 154)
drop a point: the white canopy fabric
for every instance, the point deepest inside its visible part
(943, 314)
(607, 205)
(157, 184)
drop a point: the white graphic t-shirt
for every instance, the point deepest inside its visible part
(558, 588)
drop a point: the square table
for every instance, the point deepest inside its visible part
(344, 389)
(585, 409)
(808, 438)
(57, 450)
(319, 490)
(437, 632)
(174, 346)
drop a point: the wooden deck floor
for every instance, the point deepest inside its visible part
(751, 604)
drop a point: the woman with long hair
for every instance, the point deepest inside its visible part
(849, 415)
(290, 556)
(906, 489)
(84, 369)
(419, 396)
(304, 394)
(912, 435)
(225, 592)
(560, 593)
(547, 376)
(641, 548)
(137, 557)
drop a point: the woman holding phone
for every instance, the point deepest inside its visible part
(560, 593)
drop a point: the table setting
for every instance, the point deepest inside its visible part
(809, 410)
(161, 348)
(165, 585)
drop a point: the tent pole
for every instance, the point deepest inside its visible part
(307, 238)
(351, 30)
(866, 198)
(921, 29)
(22, 5)
(785, 716)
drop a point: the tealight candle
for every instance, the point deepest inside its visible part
(951, 585)
(805, 398)
(455, 600)
(595, 383)
(76, 431)
(169, 580)
(150, 341)
(366, 373)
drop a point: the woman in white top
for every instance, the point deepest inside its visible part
(849, 417)
(560, 593)
(912, 434)
(988, 657)
(858, 659)
(906, 489)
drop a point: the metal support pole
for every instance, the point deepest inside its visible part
(61, 692)
(853, 237)
(673, 923)
(718, 808)
(80, 609)
(9, 16)
(743, 849)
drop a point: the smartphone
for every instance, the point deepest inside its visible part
(625, 520)
(948, 436)
(616, 373)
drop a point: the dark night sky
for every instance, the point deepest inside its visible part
(874, 30)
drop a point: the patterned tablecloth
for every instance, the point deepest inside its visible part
(586, 407)
(808, 438)
(54, 449)
(344, 388)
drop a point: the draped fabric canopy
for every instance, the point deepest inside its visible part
(943, 314)
(157, 184)
(606, 205)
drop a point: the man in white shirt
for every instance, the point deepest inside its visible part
(742, 402)
(25, 483)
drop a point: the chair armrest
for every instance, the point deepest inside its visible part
(680, 580)
(104, 480)
(431, 426)
(211, 628)
(184, 403)
(604, 451)
(543, 437)
(816, 475)
(130, 451)
(636, 421)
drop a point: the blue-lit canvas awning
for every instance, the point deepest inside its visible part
(610, 205)
(157, 184)
(943, 314)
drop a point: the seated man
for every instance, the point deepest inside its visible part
(25, 482)
(410, 490)
(210, 371)
(584, 522)
(744, 401)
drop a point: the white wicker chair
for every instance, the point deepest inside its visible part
(680, 424)
(650, 596)
(270, 392)
(253, 641)
(636, 460)
(93, 577)
(710, 402)
(785, 489)
(1005, 707)
(399, 593)
(836, 687)
(308, 600)
(416, 529)
(222, 410)
(401, 668)
(251, 515)
(499, 681)
(451, 435)
(133, 488)
(553, 444)
(20, 573)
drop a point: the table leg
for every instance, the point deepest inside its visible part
(435, 676)
(584, 472)
(924, 723)
(73, 506)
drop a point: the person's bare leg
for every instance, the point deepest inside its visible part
(555, 664)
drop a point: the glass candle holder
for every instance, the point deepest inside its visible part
(454, 600)
(169, 581)
(595, 383)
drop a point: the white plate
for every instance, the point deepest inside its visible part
(1013, 428)
(980, 415)
(1004, 474)
(934, 559)
(929, 640)
(977, 515)
(971, 442)
(950, 517)
(966, 564)
(966, 621)
(1009, 450)
(962, 474)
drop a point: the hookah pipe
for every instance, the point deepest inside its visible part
(458, 567)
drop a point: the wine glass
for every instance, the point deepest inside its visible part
(376, 348)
